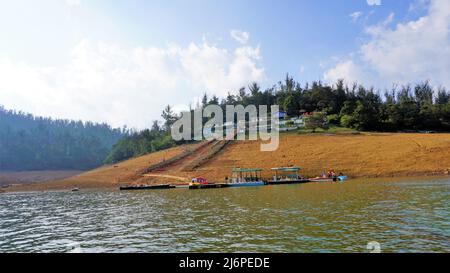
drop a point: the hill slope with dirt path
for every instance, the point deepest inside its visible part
(108, 176)
(363, 155)
(360, 155)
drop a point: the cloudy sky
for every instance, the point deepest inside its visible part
(121, 62)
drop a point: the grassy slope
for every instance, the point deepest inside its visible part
(110, 175)
(19, 177)
(364, 155)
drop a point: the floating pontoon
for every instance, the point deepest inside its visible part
(146, 187)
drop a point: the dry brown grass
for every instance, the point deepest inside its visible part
(111, 175)
(20, 177)
(364, 155)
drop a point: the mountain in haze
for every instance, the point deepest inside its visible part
(37, 143)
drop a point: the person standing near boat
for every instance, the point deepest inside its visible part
(332, 175)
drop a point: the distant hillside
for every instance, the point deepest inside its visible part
(37, 143)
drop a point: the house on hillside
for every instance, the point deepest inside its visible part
(281, 114)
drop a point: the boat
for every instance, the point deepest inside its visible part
(75, 189)
(199, 181)
(146, 187)
(182, 186)
(321, 179)
(203, 183)
(247, 184)
(241, 177)
(288, 175)
(340, 178)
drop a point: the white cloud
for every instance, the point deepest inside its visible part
(302, 69)
(389, 19)
(409, 52)
(347, 70)
(103, 82)
(240, 36)
(356, 15)
(418, 5)
(374, 2)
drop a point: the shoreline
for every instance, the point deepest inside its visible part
(362, 156)
(34, 187)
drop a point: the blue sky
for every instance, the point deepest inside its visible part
(122, 61)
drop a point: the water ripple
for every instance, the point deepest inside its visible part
(402, 216)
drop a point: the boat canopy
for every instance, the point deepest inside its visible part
(245, 170)
(286, 173)
(246, 174)
(286, 169)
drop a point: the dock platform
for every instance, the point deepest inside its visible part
(285, 182)
(208, 186)
(147, 187)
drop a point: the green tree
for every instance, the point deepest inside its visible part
(316, 120)
(169, 117)
(155, 127)
(204, 100)
(443, 97)
(367, 113)
(214, 100)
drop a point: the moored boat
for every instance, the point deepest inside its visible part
(286, 182)
(203, 183)
(287, 175)
(241, 177)
(340, 178)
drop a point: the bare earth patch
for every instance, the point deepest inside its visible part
(365, 155)
(11, 177)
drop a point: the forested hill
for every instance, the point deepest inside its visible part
(36, 143)
(419, 107)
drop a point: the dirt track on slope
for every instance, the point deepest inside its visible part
(363, 155)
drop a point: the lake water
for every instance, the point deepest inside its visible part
(402, 216)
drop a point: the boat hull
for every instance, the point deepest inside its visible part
(337, 179)
(342, 178)
(182, 186)
(286, 182)
(246, 184)
(321, 180)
